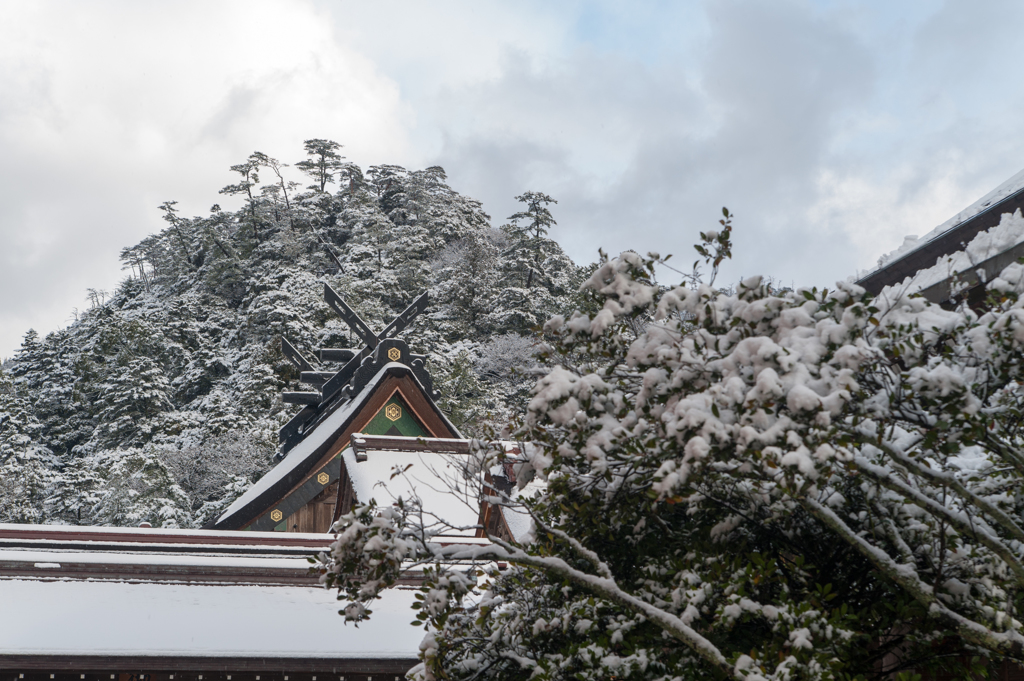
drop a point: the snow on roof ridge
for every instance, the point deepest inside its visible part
(156, 534)
(302, 449)
(199, 620)
(912, 242)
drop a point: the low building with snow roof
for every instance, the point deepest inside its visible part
(237, 600)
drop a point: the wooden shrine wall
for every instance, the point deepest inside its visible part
(317, 515)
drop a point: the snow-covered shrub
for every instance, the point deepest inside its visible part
(762, 484)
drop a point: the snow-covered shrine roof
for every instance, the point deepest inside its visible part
(109, 599)
(436, 472)
(397, 468)
(307, 451)
(304, 456)
(342, 402)
(978, 234)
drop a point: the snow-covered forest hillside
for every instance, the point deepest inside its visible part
(161, 402)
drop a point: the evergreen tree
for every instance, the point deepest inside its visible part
(321, 163)
(249, 172)
(528, 231)
(536, 275)
(24, 462)
(137, 487)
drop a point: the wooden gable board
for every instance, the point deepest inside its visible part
(304, 481)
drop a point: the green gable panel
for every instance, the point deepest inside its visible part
(395, 415)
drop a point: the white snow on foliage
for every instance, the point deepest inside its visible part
(518, 520)
(885, 423)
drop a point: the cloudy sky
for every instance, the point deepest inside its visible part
(831, 129)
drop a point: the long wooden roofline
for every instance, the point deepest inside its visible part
(98, 603)
(953, 239)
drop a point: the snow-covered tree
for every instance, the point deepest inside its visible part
(216, 472)
(755, 484)
(321, 163)
(535, 274)
(137, 487)
(25, 463)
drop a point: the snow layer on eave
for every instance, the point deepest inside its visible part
(519, 522)
(306, 448)
(34, 555)
(913, 242)
(174, 536)
(197, 620)
(436, 479)
(1007, 234)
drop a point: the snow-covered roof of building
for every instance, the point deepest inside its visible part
(949, 237)
(309, 447)
(305, 455)
(984, 246)
(437, 480)
(993, 198)
(69, 618)
(89, 597)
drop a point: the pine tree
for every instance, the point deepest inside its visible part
(321, 163)
(527, 231)
(536, 275)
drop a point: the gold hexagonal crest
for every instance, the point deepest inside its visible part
(394, 354)
(393, 412)
(323, 478)
(276, 515)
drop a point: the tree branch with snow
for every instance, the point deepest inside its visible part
(759, 484)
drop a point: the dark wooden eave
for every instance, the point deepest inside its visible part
(363, 443)
(45, 537)
(971, 284)
(950, 241)
(160, 667)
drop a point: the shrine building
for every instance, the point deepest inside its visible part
(236, 601)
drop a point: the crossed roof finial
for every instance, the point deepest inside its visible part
(360, 328)
(349, 379)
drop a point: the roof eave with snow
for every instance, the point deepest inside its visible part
(950, 236)
(281, 479)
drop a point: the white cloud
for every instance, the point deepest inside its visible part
(108, 109)
(830, 129)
